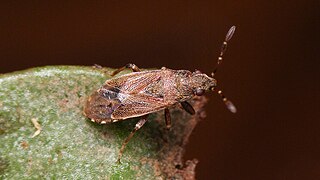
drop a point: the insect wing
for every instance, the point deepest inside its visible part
(135, 82)
(138, 105)
(135, 101)
(99, 108)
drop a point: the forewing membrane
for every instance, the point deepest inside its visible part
(138, 105)
(134, 83)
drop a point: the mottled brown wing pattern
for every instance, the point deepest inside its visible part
(132, 95)
(136, 82)
(99, 107)
(138, 105)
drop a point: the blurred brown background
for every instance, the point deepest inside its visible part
(271, 69)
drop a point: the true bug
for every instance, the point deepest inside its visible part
(140, 93)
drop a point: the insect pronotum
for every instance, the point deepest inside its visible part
(140, 93)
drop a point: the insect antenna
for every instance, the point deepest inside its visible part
(227, 102)
(224, 48)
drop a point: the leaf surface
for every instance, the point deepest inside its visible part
(69, 145)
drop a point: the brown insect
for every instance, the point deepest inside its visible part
(140, 93)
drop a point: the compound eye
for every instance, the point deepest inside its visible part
(199, 92)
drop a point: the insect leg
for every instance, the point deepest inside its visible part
(97, 66)
(139, 124)
(133, 67)
(167, 118)
(186, 106)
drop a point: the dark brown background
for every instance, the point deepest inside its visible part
(270, 70)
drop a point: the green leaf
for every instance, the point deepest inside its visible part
(69, 145)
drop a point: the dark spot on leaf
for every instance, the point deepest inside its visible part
(24, 144)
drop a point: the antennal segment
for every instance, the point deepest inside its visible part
(224, 48)
(227, 102)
